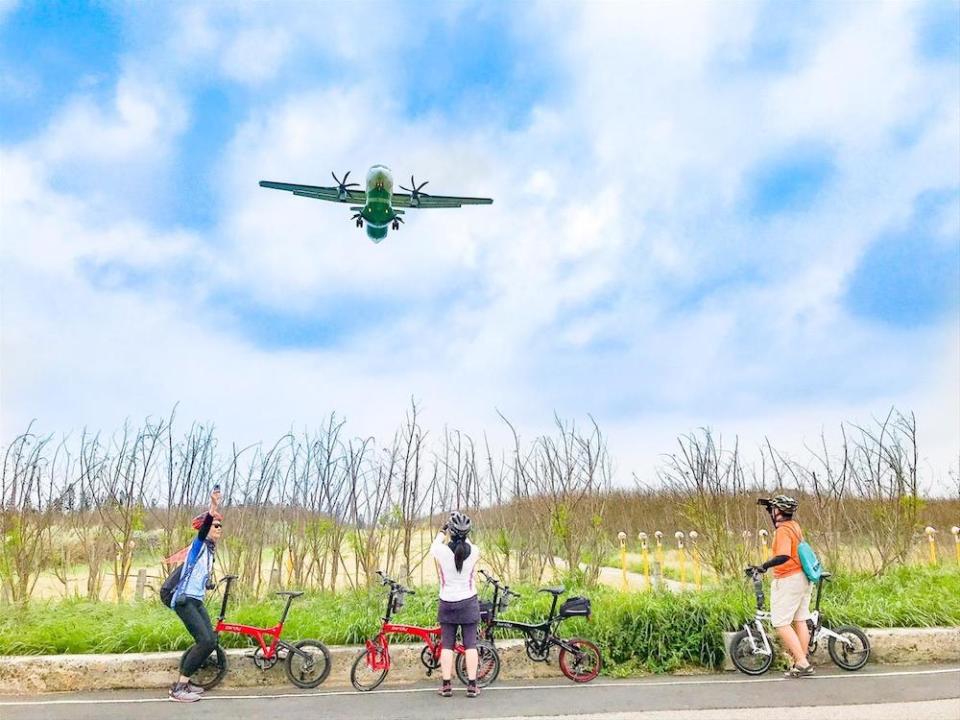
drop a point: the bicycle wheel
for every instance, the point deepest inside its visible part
(310, 671)
(583, 663)
(746, 660)
(363, 676)
(488, 666)
(211, 670)
(850, 655)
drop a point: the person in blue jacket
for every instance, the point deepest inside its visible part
(187, 602)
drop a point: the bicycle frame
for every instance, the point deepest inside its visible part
(378, 648)
(258, 634)
(759, 618)
(548, 627)
(819, 631)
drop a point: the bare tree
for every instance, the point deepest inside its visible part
(709, 487)
(26, 513)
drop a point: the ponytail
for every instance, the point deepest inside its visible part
(461, 550)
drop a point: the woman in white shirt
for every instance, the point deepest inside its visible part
(457, 559)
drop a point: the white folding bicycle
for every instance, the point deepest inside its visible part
(752, 651)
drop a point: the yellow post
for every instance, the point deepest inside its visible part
(645, 551)
(933, 544)
(697, 570)
(956, 541)
(659, 537)
(764, 554)
(622, 537)
(683, 560)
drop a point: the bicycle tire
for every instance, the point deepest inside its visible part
(845, 658)
(740, 649)
(375, 679)
(296, 665)
(488, 667)
(571, 663)
(211, 671)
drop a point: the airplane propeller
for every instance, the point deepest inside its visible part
(343, 186)
(414, 191)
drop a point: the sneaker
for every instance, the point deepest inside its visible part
(472, 690)
(797, 672)
(180, 693)
(195, 689)
(445, 690)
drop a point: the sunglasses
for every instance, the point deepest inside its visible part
(218, 525)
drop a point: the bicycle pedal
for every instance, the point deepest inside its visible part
(429, 672)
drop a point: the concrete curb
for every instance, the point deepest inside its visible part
(27, 674)
(905, 646)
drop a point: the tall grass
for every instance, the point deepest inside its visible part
(637, 631)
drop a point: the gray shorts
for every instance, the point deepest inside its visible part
(463, 615)
(461, 612)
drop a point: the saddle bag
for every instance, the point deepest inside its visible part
(575, 607)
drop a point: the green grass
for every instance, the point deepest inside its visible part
(637, 631)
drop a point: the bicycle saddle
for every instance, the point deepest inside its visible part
(291, 593)
(554, 590)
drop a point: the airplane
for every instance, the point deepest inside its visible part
(379, 206)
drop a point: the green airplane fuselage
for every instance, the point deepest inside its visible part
(378, 211)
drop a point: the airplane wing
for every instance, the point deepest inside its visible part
(402, 200)
(316, 192)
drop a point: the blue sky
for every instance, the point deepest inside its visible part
(744, 215)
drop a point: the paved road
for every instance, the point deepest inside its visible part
(876, 693)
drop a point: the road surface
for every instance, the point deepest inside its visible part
(875, 693)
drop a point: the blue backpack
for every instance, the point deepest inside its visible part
(809, 561)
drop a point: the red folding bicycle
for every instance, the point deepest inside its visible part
(308, 661)
(373, 663)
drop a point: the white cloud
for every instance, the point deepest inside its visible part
(140, 122)
(619, 199)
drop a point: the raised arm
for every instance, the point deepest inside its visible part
(439, 542)
(208, 519)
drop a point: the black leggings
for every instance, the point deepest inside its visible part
(448, 635)
(195, 617)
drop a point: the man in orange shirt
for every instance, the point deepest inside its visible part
(790, 590)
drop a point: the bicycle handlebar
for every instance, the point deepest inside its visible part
(504, 589)
(394, 585)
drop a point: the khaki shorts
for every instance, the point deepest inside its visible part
(789, 599)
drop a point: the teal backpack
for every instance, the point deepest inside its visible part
(809, 561)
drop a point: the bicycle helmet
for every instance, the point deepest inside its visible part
(459, 523)
(783, 503)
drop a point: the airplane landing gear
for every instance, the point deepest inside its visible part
(396, 225)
